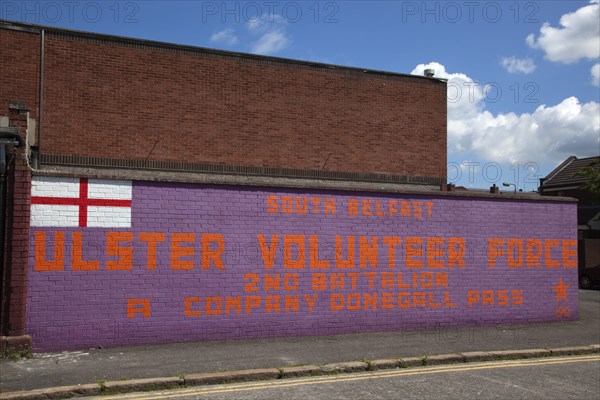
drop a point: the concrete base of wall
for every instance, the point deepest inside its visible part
(15, 346)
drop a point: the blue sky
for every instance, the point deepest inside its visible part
(523, 76)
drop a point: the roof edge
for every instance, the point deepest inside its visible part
(560, 167)
(285, 182)
(34, 28)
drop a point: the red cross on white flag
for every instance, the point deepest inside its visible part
(80, 202)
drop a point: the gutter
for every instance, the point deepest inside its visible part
(40, 99)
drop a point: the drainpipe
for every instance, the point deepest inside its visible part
(40, 100)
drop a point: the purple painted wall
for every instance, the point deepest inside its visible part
(148, 303)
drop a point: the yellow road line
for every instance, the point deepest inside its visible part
(353, 377)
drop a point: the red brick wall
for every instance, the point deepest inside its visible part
(14, 280)
(19, 79)
(17, 252)
(19, 69)
(108, 99)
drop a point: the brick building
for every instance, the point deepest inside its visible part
(166, 192)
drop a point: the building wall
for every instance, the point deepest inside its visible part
(117, 262)
(19, 63)
(141, 101)
(121, 262)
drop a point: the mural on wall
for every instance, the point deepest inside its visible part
(121, 262)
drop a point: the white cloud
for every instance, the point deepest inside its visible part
(596, 75)
(273, 34)
(515, 65)
(271, 42)
(577, 37)
(266, 23)
(226, 36)
(465, 97)
(547, 135)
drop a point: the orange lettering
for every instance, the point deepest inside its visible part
(548, 245)
(272, 282)
(418, 210)
(214, 311)
(391, 242)
(371, 276)
(414, 249)
(178, 251)
(272, 304)
(290, 281)
(447, 301)
(569, 253)
(310, 300)
(429, 206)
(138, 306)
(419, 299)
(287, 204)
(494, 251)
(353, 276)
(58, 263)
(314, 254)
(426, 279)
(319, 281)
(79, 264)
(370, 301)
(315, 201)
(378, 210)
(432, 303)
(441, 279)
(124, 254)
(354, 301)
(353, 207)
(502, 297)
(405, 209)
(387, 300)
(488, 297)
(289, 261)
(330, 206)
(188, 307)
(301, 205)
(252, 302)
(387, 280)
(336, 302)
(337, 281)
(393, 209)
(456, 251)
(472, 297)
(515, 253)
(233, 303)
(151, 240)
(404, 300)
(291, 304)
(533, 250)
(209, 254)
(268, 253)
(367, 206)
(272, 203)
(517, 297)
(340, 262)
(251, 286)
(434, 251)
(368, 251)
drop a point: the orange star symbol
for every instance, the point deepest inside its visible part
(561, 290)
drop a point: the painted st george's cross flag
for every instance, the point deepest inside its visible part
(80, 202)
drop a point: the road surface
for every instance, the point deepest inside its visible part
(572, 377)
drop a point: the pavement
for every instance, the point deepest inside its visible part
(124, 369)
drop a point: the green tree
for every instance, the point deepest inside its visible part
(591, 172)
